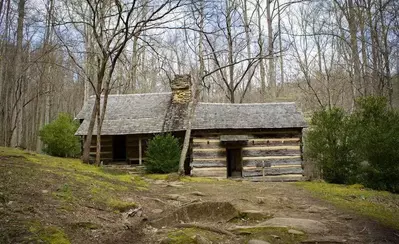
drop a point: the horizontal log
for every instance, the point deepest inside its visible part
(206, 164)
(262, 153)
(207, 146)
(210, 154)
(276, 178)
(209, 149)
(103, 143)
(271, 148)
(286, 132)
(209, 159)
(209, 172)
(102, 146)
(267, 158)
(273, 143)
(134, 159)
(206, 140)
(101, 153)
(247, 172)
(275, 162)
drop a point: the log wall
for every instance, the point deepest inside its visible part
(133, 146)
(106, 148)
(208, 157)
(265, 157)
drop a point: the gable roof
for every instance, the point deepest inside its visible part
(154, 113)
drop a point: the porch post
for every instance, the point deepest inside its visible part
(140, 153)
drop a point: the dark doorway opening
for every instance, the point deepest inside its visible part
(119, 148)
(234, 162)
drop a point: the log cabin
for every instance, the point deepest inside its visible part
(254, 141)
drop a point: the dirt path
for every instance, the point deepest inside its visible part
(51, 202)
(277, 200)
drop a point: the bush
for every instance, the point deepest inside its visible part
(163, 154)
(59, 138)
(376, 143)
(358, 148)
(328, 146)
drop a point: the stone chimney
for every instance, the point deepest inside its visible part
(181, 89)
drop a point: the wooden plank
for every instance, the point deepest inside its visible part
(206, 164)
(269, 158)
(207, 146)
(248, 172)
(272, 148)
(275, 162)
(209, 159)
(262, 153)
(140, 152)
(209, 149)
(137, 159)
(205, 140)
(275, 139)
(210, 154)
(277, 178)
(209, 172)
(105, 152)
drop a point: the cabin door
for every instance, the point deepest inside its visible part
(234, 162)
(119, 148)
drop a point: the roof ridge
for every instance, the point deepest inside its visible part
(248, 104)
(136, 94)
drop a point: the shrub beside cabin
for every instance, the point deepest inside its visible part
(259, 141)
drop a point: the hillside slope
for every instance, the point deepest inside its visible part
(46, 199)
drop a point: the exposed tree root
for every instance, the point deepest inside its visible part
(205, 227)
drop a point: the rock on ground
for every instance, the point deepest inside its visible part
(201, 240)
(295, 232)
(199, 212)
(307, 225)
(258, 242)
(255, 214)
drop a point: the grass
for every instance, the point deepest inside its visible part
(47, 234)
(120, 205)
(101, 185)
(379, 205)
(75, 168)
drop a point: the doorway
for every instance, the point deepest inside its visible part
(119, 148)
(234, 162)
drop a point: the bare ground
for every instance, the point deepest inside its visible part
(49, 204)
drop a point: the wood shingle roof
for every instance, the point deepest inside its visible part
(154, 113)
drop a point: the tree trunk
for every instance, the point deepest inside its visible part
(272, 71)
(230, 51)
(18, 76)
(262, 70)
(351, 17)
(280, 42)
(248, 43)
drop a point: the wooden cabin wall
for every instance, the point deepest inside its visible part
(267, 156)
(208, 157)
(273, 159)
(136, 145)
(106, 148)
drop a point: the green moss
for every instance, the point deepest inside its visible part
(187, 236)
(85, 225)
(139, 183)
(200, 179)
(47, 234)
(67, 164)
(156, 176)
(380, 205)
(120, 205)
(268, 233)
(64, 193)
